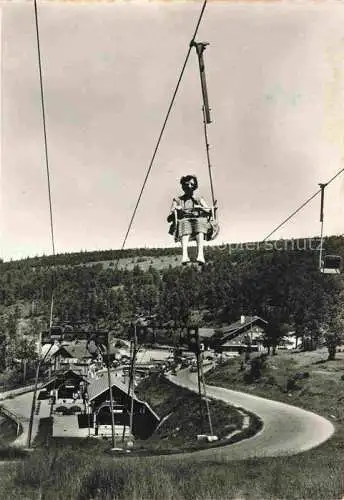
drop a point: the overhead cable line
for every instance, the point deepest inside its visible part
(164, 125)
(41, 361)
(44, 128)
(46, 158)
(303, 205)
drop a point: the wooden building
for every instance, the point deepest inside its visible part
(145, 420)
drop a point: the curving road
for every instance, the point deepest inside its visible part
(287, 430)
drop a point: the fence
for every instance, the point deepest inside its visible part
(12, 416)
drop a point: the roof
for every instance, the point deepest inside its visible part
(99, 385)
(61, 375)
(75, 350)
(118, 343)
(49, 350)
(206, 332)
(231, 331)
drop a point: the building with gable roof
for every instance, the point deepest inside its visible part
(237, 335)
(145, 420)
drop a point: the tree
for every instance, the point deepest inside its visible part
(25, 352)
(276, 328)
(332, 342)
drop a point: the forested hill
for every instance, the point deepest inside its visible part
(279, 281)
(164, 257)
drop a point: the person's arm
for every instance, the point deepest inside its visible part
(201, 203)
(176, 206)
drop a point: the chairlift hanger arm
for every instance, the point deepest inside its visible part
(322, 193)
(200, 48)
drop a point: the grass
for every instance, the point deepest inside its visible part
(181, 408)
(8, 430)
(177, 433)
(82, 473)
(64, 474)
(8, 452)
(320, 387)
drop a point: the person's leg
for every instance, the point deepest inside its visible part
(200, 247)
(185, 255)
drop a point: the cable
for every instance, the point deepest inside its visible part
(46, 159)
(303, 205)
(44, 127)
(40, 362)
(163, 126)
(207, 146)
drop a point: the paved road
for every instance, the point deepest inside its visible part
(21, 407)
(287, 429)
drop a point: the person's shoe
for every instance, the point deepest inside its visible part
(185, 261)
(201, 260)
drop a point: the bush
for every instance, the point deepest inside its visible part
(62, 409)
(291, 384)
(104, 482)
(270, 380)
(258, 364)
(11, 453)
(292, 381)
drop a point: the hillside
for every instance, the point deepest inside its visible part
(278, 281)
(83, 472)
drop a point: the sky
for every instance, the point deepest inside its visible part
(275, 75)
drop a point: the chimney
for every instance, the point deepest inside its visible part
(242, 319)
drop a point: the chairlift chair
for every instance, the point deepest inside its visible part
(213, 225)
(331, 264)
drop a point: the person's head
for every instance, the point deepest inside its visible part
(189, 183)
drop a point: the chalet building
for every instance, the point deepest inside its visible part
(145, 420)
(73, 353)
(66, 383)
(88, 401)
(62, 356)
(64, 333)
(67, 392)
(236, 336)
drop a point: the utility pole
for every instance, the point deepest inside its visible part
(197, 348)
(131, 355)
(24, 370)
(194, 345)
(132, 377)
(205, 395)
(113, 434)
(199, 377)
(34, 397)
